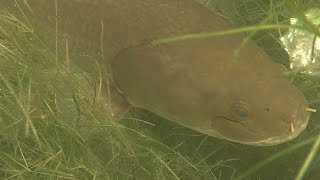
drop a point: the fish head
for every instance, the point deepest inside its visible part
(192, 83)
(260, 109)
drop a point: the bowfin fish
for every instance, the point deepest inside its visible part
(195, 83)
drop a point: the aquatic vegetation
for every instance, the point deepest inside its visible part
(55, 124)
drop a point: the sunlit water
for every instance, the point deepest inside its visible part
(303, 46)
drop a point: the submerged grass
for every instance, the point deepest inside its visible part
(54, 125)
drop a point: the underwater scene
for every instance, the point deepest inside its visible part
(160, 89)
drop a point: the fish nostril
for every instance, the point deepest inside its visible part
(292, 128)
(290, 124)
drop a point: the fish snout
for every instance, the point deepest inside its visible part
(295, 123)
(298, 121)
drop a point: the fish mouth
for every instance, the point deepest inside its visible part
(236, 131)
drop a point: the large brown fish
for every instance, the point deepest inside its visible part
(190, 82)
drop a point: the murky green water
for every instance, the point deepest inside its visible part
(55, 122)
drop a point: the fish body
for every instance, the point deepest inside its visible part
(200, 83)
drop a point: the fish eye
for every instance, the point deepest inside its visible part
(240, 111)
